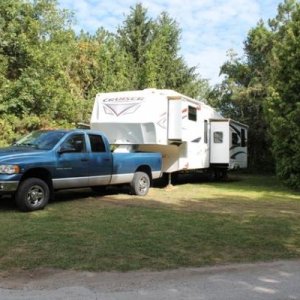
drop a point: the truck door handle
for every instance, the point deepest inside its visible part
(84, 159)
(106, 159)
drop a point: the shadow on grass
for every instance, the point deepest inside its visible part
(117, 231)
(234, 181)
(193, 178)
(87, 193)
(119, 195)
(7, 203)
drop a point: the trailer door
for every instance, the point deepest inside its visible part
(219, 142)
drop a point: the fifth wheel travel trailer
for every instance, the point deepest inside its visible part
(190, 134)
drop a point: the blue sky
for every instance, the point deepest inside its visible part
(209, 27)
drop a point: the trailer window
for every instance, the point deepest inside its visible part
(192, 113)
(97, 144)
(205, 131)
(235, 139)
(243, 137)
(218, 137)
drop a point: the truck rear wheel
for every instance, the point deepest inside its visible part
(32, 194)
(140, 184)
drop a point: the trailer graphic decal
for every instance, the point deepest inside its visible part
(121, 105)
(236, 154)
(163, 121)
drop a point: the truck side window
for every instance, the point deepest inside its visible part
(97, 144)
(76, 143)
(218, 137)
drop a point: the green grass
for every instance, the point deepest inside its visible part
(248, 218)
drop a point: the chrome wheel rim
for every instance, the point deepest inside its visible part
(35, 195)
(143, 185)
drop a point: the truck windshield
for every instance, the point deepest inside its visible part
(42, 140)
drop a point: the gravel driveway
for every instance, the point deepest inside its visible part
(277, 280)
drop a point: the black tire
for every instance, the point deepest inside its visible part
(140, 184)
(32, 194)
(220, 174)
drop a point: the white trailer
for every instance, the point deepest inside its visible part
(190, 134)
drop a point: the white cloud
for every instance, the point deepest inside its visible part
(208, 59)
(209, 27)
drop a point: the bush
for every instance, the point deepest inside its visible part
(13, 128)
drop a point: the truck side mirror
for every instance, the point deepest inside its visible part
(64, 149)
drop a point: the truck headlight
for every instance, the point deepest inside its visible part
(9, 169)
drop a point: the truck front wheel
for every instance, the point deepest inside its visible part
(140, 184)
(32, 194)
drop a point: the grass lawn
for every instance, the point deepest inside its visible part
(248, 218)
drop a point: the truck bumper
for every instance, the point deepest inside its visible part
(8, 186)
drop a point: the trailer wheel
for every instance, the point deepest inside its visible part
(140, 184)
(32, 194)
(220, 174)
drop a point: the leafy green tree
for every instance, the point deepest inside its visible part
(241, 97)
(283, 102)
(164, 67)
(135, 36)
(49, 76)
(262, 90)
(100, 65)
(153, 46)
(36, 44)
(35, 52)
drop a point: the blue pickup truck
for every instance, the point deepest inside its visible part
(48, 160)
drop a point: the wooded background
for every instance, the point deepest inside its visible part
(49, 75)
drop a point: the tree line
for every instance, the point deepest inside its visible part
(49, 75)
(262, 89)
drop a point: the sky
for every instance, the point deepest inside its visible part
(209, 28)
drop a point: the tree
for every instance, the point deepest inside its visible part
(283, 102)
(135, 37)
(153, 46)
(36, 80)
(263, 90)
(240, 97)
(100, 64)
(49, 76)
(36, 47)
